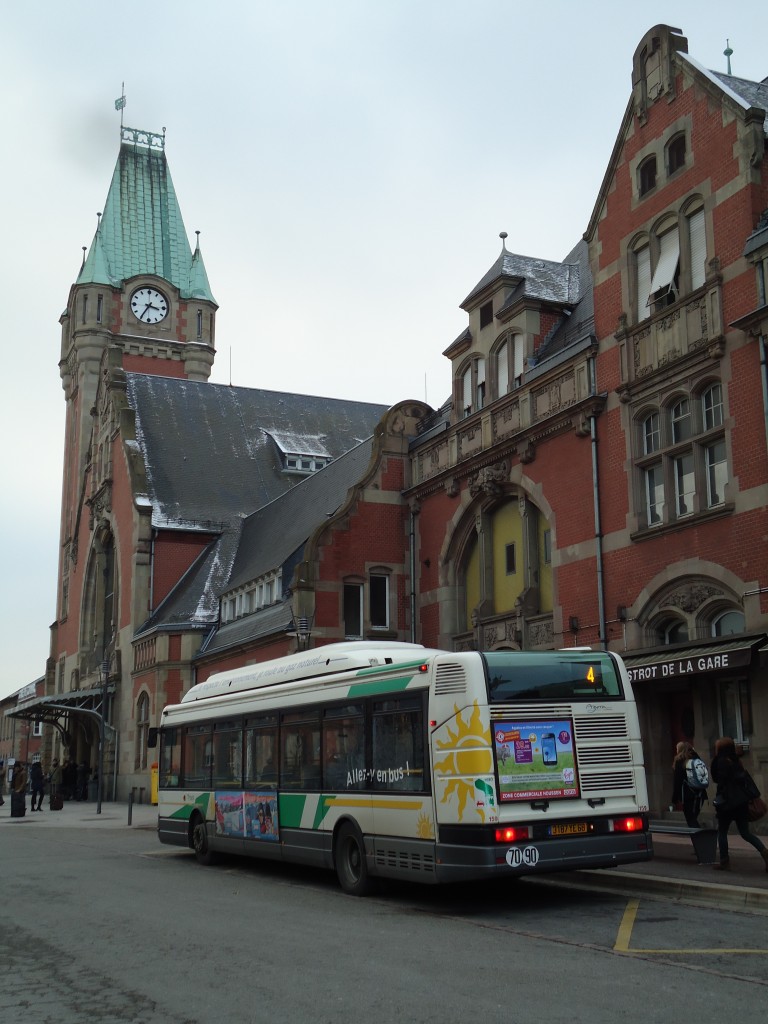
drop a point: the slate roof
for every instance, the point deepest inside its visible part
(207, 448)
(754, 94)
(275, 536)
(581, 321)
(213, 466)
(534, 278)
(141, 230)
(278, 530)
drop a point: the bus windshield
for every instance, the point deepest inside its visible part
(551, 675)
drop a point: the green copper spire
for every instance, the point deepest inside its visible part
(141, 230)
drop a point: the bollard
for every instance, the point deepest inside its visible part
(130, 807)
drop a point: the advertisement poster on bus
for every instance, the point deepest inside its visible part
(249, 815)
(536, 760)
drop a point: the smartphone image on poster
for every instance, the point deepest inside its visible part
(548, 748)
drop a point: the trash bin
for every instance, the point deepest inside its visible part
(154, 783)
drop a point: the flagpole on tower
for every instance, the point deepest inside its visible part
(120, 105)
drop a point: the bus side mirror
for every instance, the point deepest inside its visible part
(152, 737)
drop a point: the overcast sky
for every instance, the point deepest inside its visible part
(349, 164)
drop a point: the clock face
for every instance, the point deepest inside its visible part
(149, 305)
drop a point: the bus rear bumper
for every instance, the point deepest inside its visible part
(455, 863)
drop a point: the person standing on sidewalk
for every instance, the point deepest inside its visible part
(38, 785)
(731, 800)
(19, 790)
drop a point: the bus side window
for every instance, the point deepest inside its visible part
(398, 745)
(261, 752)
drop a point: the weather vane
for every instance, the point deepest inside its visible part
(120, 104)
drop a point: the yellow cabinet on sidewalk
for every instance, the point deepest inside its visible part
(154, 783)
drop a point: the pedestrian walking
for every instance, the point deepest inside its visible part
(686, 792)
(733, 796)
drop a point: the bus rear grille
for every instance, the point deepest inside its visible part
(405, 861)
(599, 727)
(603, 782)
(604, 755)
(450, 678)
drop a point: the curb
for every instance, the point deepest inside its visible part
(708, 894)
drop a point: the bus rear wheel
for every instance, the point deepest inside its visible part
(200, 845)
(349, 858)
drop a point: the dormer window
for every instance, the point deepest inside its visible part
(301, 453)
(252, 597)
(486, 315)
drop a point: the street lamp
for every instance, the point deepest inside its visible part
(103, 679)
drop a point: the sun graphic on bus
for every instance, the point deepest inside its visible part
(468, 755)
(425, 827)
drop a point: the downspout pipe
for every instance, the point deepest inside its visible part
(596, 505)
(412, 569)
(764, 382)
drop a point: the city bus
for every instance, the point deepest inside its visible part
(391, 760)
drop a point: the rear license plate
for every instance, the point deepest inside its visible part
(574, 829)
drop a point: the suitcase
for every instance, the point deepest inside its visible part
(57, 801)
(18, 805)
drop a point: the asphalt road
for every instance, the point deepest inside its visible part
(101, 925)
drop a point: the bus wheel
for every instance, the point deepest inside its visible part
(349, 858)
(200, 845)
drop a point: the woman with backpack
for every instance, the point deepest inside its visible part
(733, 785)
(683, 792)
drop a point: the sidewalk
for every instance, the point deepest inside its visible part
(82, 814)
(674, 872)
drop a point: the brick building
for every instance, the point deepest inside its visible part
(598, 475)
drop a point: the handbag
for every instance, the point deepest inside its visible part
(756, 809)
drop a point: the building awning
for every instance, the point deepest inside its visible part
(677, 661)
(49, 709)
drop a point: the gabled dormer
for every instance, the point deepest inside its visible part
(512, 311)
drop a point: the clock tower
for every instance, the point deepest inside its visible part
(142, 293)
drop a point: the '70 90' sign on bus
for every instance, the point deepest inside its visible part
(535, 760)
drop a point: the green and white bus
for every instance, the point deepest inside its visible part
(392, 760)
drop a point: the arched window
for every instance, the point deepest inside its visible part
(509, 364)
(646, 173)
(728, 623)
(676, 153)
(142, 731)
(672, 631)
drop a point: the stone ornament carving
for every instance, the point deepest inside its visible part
(489, 480)
(691, 597)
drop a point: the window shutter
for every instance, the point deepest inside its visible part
(698, 242)
(669, 255)
(643, 264)
(518, 357)
(502, 369)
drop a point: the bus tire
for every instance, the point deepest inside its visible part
(199, 841)
(349, 860)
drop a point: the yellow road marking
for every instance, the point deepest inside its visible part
(625, 928)
(625, 933)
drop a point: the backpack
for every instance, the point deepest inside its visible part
(696, 774)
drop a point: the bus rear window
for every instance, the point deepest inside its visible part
(551, 675)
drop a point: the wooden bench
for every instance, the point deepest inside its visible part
(704, 839)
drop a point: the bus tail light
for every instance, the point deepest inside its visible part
(632, 824)
(513, 834)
